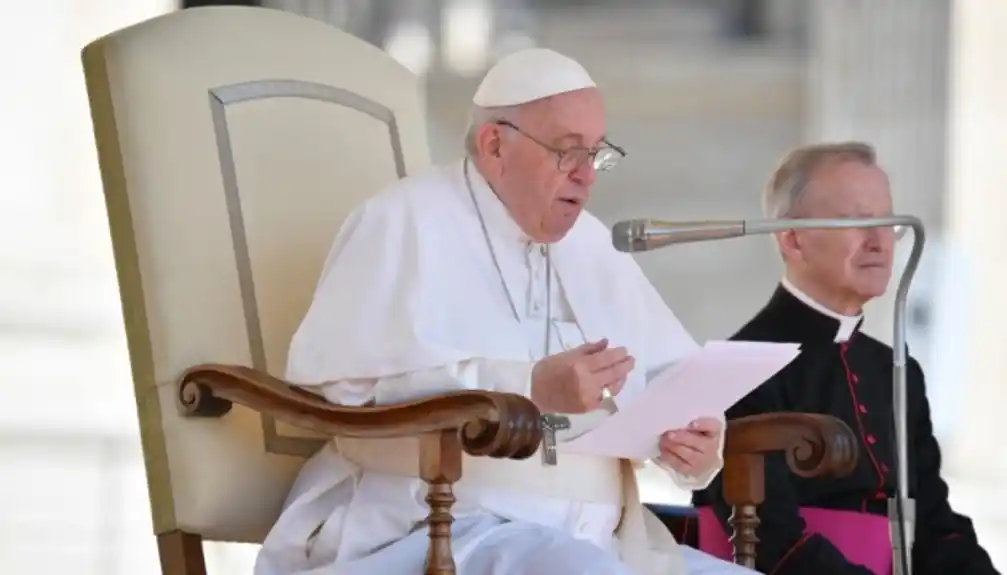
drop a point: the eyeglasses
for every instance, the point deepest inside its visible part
(603, 158)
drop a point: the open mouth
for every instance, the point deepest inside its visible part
(571, 201)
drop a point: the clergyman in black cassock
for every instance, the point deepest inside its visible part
(844, 373)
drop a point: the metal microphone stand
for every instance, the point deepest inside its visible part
(642, 235)
(901, 507)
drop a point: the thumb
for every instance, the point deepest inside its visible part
(593, 347)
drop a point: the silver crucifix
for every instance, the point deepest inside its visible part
(550, 425)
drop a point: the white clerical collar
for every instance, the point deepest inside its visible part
(498, 218)
(847, 323)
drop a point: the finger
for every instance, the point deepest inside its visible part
(686, 440)
(616, 387)
(683, 461)
(606, 359)
(615, 376)
(705, 426)
(687, 455)
(668, 440)
(617, 371)
(673, 460)
(591, 347)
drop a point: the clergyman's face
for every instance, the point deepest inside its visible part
(544, 199)
(854, 264)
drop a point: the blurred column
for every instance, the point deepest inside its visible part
(745, 19)
(877, 71)
(976, 206)
(362, 18)
(403, 29)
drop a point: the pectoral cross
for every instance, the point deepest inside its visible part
(550, 425)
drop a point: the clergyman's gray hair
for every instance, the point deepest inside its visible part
(480, 116)
(790, 179)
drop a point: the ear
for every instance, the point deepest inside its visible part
(790, 244)
(488, 140)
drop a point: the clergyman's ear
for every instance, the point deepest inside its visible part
(789, 242)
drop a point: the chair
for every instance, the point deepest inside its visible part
(232, 142)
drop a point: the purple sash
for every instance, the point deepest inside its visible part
(862, 538)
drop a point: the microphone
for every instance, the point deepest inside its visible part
(642, 235)
(645, 235)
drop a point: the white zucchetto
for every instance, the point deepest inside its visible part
(528, 75)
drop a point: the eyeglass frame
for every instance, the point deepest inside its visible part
(561, 154)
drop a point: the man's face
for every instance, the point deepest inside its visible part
(853, 265)
(543, 197)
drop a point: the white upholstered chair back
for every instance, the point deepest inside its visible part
(233, 142)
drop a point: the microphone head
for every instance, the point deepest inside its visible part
(644, 235)
(627, 236)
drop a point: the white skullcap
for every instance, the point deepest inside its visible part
(528, 75)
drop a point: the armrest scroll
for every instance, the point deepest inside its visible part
(815, 445)
(488, 423)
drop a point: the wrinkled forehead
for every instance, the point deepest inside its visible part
(572, 119)
(847, 188)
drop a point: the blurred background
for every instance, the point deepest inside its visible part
(705, 95)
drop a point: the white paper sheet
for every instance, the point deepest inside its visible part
(704, 384)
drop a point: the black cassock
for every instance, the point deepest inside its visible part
(851, 381)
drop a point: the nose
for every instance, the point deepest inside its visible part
(585, 174)
(877, 238)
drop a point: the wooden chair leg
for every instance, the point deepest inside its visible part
(440, 467)
(814, 446)
(744, 490)
(181, 553)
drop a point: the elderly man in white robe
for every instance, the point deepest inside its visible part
(488, 274)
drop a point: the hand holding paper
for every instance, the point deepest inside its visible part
(704, 384)
(694, 450)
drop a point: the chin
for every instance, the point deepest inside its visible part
(552, 236)
(549, 235)
(557, 231)
(869, 290)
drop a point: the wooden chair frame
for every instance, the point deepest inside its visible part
(490, 424)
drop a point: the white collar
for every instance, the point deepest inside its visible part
(847, 323)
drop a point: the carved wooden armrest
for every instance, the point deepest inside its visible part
(814, 445)
(480, 423)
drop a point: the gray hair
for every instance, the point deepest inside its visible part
(790, 179)
(480, 116)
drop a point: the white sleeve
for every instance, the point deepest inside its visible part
(485, 374)
(667, 339)
(667, 342)
(702, 481)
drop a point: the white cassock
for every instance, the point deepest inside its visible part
(425, 292)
